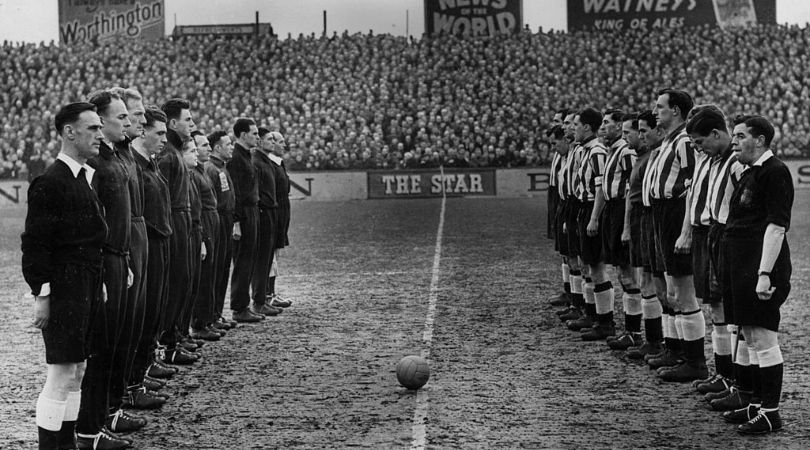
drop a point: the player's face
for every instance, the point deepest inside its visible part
(664, 114)
(87, 135)
(561, 146)
(742, 141)
(251, 137)
(630, 135)
(190, 154)
(612, 129)
(137, 115)
(711, 144)
(226, 148)
(278, 144)
(183, 125)
(568, 127)
(557, 119)
(580, 129)
(154, 138)
(203, 148)
(116, 121)
(267, 142)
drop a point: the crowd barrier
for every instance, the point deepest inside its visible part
(397, 184)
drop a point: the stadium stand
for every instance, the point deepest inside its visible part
(379, 101)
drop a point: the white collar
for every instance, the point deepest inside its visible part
(274, 158)
(75, 167)
(618, 144)
(765, 156)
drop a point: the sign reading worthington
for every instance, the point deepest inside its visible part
(473, 17)
(430, 183)
(648, 14)
(88, 20)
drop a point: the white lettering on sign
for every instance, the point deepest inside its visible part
(615, 6)
(456, 183)
(402, 184)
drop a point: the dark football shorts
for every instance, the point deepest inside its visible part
(635, 248)
(590, 246)
(668, 220)
(742, 256)
(76, 313)
(561, 240)
(614, 251)
(701, 262)
(551, 223)
(572, 227)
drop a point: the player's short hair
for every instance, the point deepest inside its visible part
(592, 118)
(614, 114)
(70, 113)
(102, 99)
(679, 98)
(758, 125)
(705, 118)
(263, 132)
(563, 112)
(648, 117)
(127, 94)
(154, 114)
(215, 137)
(632, 118)
(242, 125)
(556, 132)
(174, 107)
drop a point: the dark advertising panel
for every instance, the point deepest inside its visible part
(473, 17)
(648, 14)
(430, 183)
(96, 20)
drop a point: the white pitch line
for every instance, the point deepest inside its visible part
(420, 413)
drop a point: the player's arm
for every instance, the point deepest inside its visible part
(627, 208)
(598, 162)
(41, 223)
(779, 202)
(684, 242)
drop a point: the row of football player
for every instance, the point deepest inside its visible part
(688, 211)
(167, 209)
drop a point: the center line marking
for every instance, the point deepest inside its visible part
(420, 413)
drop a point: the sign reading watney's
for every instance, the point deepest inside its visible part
(430, 183)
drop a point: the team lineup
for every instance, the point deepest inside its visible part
(688, 213)
(127, 249)
(131, 235)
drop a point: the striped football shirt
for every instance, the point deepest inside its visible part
(618, 166)
(724, 177)
(591, 170)
(647, 180)
(553, 173)
(675, 166)
(698, 207)
(572, 171)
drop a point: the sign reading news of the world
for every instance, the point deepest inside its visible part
(96, 20)
(473, 17)
(651, 14)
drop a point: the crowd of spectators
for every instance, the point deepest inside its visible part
(367, 101)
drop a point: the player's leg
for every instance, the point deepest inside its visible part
(633, 309)
(767, 381)
(693, 332)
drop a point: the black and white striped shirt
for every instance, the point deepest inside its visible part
(674, 167)
(725, 175)
(618, 166)
(698, 209)
(591, 170)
